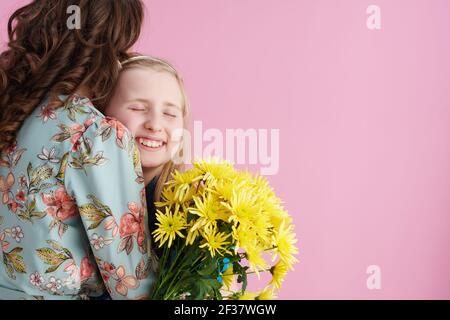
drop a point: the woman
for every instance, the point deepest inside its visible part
(73, 219)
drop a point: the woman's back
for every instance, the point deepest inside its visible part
(64, 224)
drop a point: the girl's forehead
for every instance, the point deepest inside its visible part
(147, 71)
(148, 86)
(149, 77)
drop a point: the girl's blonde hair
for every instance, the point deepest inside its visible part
(161, 65)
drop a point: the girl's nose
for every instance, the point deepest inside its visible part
(153, 124)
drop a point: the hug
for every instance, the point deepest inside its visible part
(86, 139)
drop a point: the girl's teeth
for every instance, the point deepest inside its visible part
(151, 144)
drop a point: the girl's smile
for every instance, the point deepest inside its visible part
(150, 144)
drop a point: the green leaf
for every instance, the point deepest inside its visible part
(23, 215)
(105, 132)
(40, 174)
(72, 114)
(17, 263)
(55, 245)
(87, 145)
(60, 137)
(95, 225)
(16, 250)
(99, 204)
(17, 155)
(140, 179)
(49, 256)
(64, 128)
(91, 212)
(209, 268)
(126, 244)
(136, 157)
(68, 253)
(32, 205)
(76, 164)
(8, 267)
(204, 288)
(142, 269)
(53, 268)
(119, 143)
(62, 167)
(100, 159)
(62, 228)
(29, 170)
(38, 214)
(242, 274)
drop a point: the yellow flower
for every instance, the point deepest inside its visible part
(242, 206)
(255, 259)
(228, 277)
(209, 210)
(273, 209)
(278, 272)
(229, 212)
(244, 236)
(215, 169)
(267, 294)
(183, 182)
(277, 216)
(215, 242)
(192, 234)
(261, 228)
(284, 244)
(223, 189)
(167, 196)
(243, 177)
(248, 296)
(169, 226)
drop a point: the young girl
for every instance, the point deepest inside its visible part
(150, 100)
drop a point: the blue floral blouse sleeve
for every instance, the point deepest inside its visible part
(73, 216)
(104, 176)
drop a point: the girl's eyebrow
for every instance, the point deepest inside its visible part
(144, 101)
(170, 104)
(147, 102)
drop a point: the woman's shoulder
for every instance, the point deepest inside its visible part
(63, 109)
(77, 108)
(69, 112)
(66, 122)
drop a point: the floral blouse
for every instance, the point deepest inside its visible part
(73, 218)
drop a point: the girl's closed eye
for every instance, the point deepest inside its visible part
(136, 108)
(170, 114)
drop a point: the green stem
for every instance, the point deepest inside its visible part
(171, 290)
(158, 280)
(172, 265)
(264, 270)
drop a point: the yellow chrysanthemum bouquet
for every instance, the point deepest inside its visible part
(215, 226)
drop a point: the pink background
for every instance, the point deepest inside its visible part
(364, 119)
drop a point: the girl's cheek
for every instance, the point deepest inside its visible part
(176, 133)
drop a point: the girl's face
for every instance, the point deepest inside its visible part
(149, 103)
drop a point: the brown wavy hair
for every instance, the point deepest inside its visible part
(45, 56)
